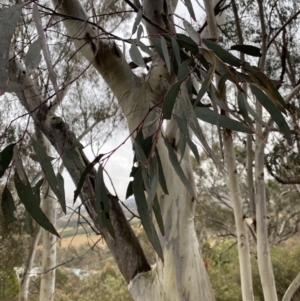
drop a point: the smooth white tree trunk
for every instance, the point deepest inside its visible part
(233, 182)
(47, 284)
(24, 285)
(241, 228)
(265, 266)
(182, 275)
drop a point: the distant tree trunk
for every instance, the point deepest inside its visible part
(233, 184)
(47, 286)
(265, 266)
(241, 228)
(24, 285)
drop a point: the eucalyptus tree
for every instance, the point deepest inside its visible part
(179, 70)
(84, 119)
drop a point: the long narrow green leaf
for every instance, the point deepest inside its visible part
(143, 211)
(153, 178)
(186, 42)
(176, 51)
(189, 6)
(137, 21)
(33, 56)
(170, 100)
(47, 168)
(184, 131)
(28, 198)
(28, 223)
(5, 158)
(182, 146)
(87, 170)
(8, 206)
(183, 70)
(139, 33)
(161, 176)
(224, 55)
(129, 191)
(165, 51)
(265, 84)
(189, 113)
(247, 49)
(139, 152)
(243, 108)
(157, 45)
(102, 202)
(178, 169)
(205, 85)
(209, 116)
(273, 111)
(37, 191)
(61, 187)
(19, 165)
(145, 48)
(158, 216)
(193, 34)
(136, 56)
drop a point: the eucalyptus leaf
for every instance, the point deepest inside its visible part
(28, 223)
(158, 216)
(161, 176)
(242, 107)
(224, 55)
(166, 55)
(102, 202)
(193, 34)
(8, 206)
(137, 21)
(189, 6)
(189, 113)
(5, 158)
(136, 56)
(209, 116)
(273, 111)
(170, 100)
(247, 49)
(176, 51)
(178, 169)
(186, 42)
(61, 187)
(87, 170)
(33, 56)
(184, 131)
(143, 211)
(28, 198)
(47, 168)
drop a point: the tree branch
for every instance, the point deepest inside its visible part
(294, 92)
(282, 28)
(125, 247)
(97, 47)
(292, 289)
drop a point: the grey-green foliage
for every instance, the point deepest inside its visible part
(9, 286)
(223, 268)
